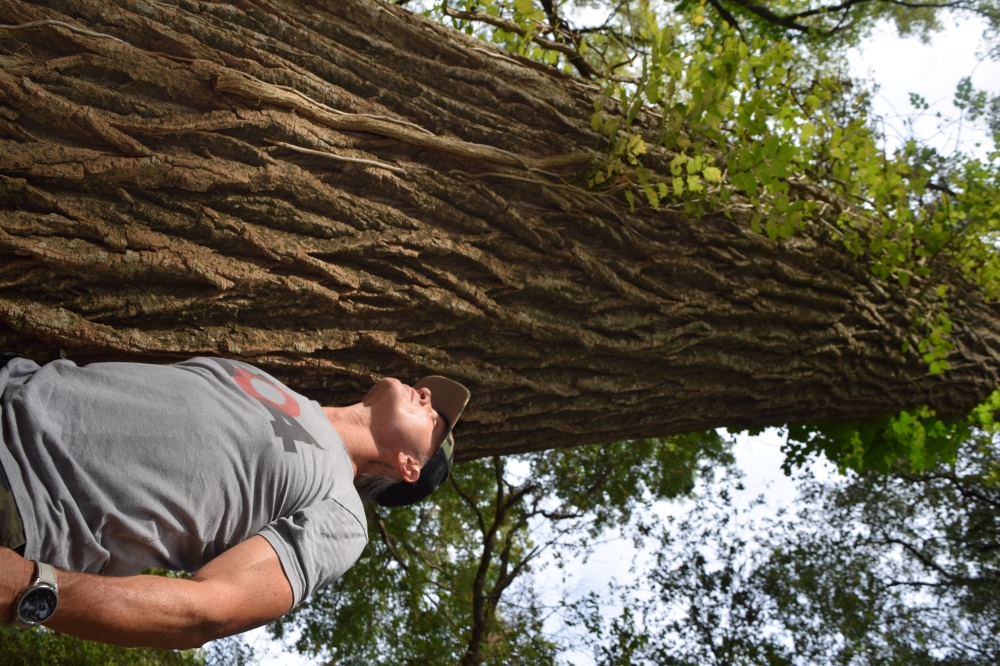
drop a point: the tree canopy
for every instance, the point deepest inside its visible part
(449, 581)
(876, 569)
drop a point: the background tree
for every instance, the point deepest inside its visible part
(877, 568)
(40, 647)
(451, 580)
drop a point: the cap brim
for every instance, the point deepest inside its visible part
(449, 398)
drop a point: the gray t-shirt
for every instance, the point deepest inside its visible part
(117, 467)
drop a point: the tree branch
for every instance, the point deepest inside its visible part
(766, 14)
(850, 3)
(470, 502)
(560, 29)
(387, 540)
(728, 17)
(791, 21)
(472, 653)
(571, 52)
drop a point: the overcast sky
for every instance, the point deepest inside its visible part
(899, 66)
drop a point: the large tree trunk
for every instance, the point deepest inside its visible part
(155, 204)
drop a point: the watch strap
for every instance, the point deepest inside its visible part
(46, 573)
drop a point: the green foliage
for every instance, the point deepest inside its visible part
(912, 560)
(409, 599)
(446, 581)
(607, 483)
(913, 441)
(41, 647)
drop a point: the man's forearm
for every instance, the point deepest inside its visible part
(243, 588)
(150, 611)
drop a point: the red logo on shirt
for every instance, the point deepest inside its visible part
(290, 406)
(284, 415)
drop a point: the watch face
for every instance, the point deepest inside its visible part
(38, 605)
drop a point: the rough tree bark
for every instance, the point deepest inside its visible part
(340, 190)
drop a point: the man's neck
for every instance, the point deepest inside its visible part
(354, 425)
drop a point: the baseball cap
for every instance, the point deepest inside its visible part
(449, 399)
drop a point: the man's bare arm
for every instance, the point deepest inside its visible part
(243, 588)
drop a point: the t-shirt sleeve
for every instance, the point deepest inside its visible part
(316, 545)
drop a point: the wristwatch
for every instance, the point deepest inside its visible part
(37, 602)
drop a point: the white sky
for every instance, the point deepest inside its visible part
(899, 66)
(759, 458)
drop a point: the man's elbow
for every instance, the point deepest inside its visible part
(197, 635)
(183, 643)
(211, 625)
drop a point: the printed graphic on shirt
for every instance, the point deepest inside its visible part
(283, 407)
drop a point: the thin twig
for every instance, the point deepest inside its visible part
(413, 550)
(537, 181)
(339, 158)
(511, 26)
(387, 540)
(330, 108)
(470, 502)
(250, 77)
(570, 51)
(498, 56)
(338, 112)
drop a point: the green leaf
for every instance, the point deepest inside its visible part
(636, 145)
(630, 198)
(806, 132)
(597, 121)
(652, 197)
(677, 164)
(773, 229)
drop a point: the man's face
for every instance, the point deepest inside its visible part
(403, 418)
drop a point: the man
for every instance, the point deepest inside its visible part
(208, 465)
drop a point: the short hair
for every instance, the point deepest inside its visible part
(370, 486)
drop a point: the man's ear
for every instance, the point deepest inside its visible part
(409, 467)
